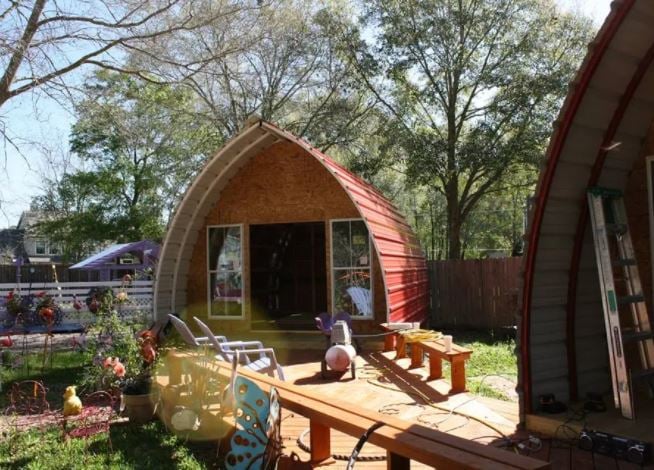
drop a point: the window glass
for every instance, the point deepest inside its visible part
(352, 287)
(225, 273)
(40, 247)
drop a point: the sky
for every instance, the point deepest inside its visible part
(40, 122)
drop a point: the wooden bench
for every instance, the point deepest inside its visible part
(391, 340)
(457, 356)
(404, 441)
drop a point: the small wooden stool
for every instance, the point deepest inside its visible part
(436, 352)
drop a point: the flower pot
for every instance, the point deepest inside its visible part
(139, 409)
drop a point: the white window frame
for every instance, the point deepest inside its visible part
(210, 272)
(45, 247)
(52, 245)
(333, 269)
(649, 170)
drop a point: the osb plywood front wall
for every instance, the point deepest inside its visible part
(636, 202)
(282, 184)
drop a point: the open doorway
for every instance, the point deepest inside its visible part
(288, 275)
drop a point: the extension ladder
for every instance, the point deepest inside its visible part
(608, 218)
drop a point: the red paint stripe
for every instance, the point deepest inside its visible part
(595, 174)
(546, 181)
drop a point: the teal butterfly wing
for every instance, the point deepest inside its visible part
(251, 448)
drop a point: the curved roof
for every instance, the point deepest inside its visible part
(597, 138)
(402, 262)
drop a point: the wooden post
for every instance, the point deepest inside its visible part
(320, 439)
(389, 342)
(416, 355)
(458, 375)
(174, 368)
(435, 367)
(397, 462)
(400, 347)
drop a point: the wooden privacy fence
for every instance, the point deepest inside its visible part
(475, 293)
(139, 299)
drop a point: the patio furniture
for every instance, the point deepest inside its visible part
(436, 351)
(257, 440)
(265, 361)
(98, 409)
(187, 335)
(28, 407)
(403, 440)
(361, 298)
(390, 340)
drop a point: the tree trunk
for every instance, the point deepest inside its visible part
(453, 220)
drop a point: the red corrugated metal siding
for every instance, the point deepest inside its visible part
(402, 262)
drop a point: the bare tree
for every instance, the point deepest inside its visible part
(291, 69)
(43, 41)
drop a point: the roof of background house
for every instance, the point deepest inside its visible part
(108, 255)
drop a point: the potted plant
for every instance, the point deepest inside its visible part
(121, 358)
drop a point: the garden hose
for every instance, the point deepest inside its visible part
(415, 335)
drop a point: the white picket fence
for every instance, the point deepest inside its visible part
(139, 294)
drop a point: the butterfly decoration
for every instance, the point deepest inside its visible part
(256, 443)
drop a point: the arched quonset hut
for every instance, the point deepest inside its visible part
(273, 232)
(604, 136)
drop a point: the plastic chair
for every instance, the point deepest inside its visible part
(361, 298)
(187, 335)
(98, 409)
(265, 361)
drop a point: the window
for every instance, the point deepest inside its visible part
(54, 249)
(351, 274)
(39, 247)
(225, 271)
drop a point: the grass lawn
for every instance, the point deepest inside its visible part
(134, 447)
(492, 358)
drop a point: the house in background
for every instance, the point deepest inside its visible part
(25, 242)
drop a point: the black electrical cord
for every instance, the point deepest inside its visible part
(362, 440)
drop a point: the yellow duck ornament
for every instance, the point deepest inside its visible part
(72, 403)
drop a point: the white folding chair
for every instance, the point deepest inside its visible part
(264, 360)
(187, 335)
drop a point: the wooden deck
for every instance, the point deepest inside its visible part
(385, 386)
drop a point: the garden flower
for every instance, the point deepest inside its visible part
(121, 296)
(119, 369)
(108, 362)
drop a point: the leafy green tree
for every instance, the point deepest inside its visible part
(139, 146)
(470, 88)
